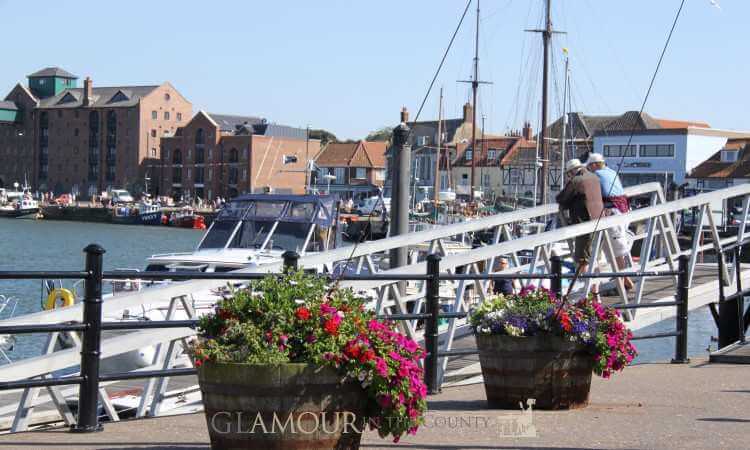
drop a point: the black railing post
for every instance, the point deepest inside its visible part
(741, 298)
(88, 397)
(556, 282)
(681, 341)
(290, 260)
(431, 324)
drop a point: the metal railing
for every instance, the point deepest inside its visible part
(92, 325)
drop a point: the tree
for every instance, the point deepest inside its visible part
(381, 134)
(324, 136)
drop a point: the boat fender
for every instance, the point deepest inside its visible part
(67, 297)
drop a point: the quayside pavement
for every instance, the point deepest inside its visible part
(649, 406)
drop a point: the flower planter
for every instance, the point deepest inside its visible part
(284, 406)
(553, 371)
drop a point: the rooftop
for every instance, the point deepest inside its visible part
(353, 154)
(102, 97)
(52, 72)
(4, 104)
(715, 167)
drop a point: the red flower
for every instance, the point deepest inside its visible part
(331, 327)
(368, 355)
(198, 362)
(302, 313)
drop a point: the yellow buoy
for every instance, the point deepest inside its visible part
(67, 297)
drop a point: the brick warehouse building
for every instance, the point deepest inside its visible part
(223, 155)
(70, 139)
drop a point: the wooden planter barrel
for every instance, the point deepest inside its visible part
(286, 406)
(553, 371)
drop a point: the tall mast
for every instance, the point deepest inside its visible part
(547, 33)
(474, 87)
(564, 121)
(436, 194)
(546, 37)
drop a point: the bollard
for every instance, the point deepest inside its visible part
(88, 397)
(681, 341)
(431, 324)
(556, 269)
(290, 260)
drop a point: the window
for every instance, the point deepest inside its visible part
(189, 173)
(75, 132)
(200, 137)
(515, 176)
(360, 173)
(340, 174)
(657, 150)
(491, 154)
(154, 115)
(166, 96)
(177, 156)
(200, 155)
(486, 180)
(153, 153)
(110, 173)
(469, 154)
(244, 174)
(380, 174)
(618, 150)
(464, 179)
(153, 133)
(199, 173)
(729, 155)
(179, 117)
(177, 175)
(208, 174)
(166, 115)
(233, 155)
(59, 113)
(233, 175)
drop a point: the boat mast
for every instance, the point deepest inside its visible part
(474, 87)
(564, 121)
(547, 33)
(436, 194)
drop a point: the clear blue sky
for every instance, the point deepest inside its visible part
(349, 66)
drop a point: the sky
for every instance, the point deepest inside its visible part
(350, 66)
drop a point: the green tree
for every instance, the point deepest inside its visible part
(324, 136)
(381, 134)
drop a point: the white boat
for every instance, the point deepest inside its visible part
(17, 203)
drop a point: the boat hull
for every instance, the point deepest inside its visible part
(17, 213)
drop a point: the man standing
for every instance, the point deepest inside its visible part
(582, 197)
(615, 202)
(612, 191)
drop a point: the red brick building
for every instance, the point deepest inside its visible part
(355, 168)
(223, 155)
(85, 140)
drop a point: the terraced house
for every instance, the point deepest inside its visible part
(66, 138)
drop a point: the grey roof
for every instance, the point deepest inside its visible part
(102, 97)
(52, 72)
(275, 130)
(585, 127)
(430, 127)
(8, 105)
(231, 123)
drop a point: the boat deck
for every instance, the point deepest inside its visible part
(737, 353)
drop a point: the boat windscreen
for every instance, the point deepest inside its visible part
(289, 236)
(219, 234)
(251, 234)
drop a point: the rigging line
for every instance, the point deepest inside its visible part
(632, 132)
(514, 107)
(336, 283)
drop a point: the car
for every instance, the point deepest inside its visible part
(121, 196)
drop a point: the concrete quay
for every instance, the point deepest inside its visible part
(649, 406)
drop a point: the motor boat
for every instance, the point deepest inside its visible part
(138, 214)
(18, 204)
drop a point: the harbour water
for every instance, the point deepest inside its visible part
(57, 245)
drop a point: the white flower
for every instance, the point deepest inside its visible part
(299, 301)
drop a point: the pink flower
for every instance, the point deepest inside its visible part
(381, 366)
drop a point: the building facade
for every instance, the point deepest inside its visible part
(224, 155)
(664, 155)
(65, 138)
(354, 169)
(727, 167)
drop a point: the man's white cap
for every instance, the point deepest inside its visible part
(594, 158)
(573, 164)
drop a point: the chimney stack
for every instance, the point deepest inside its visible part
(527, 131)
(468, 112)
(404, 115)
(88, 92)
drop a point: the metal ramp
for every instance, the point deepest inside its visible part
(654, 221)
